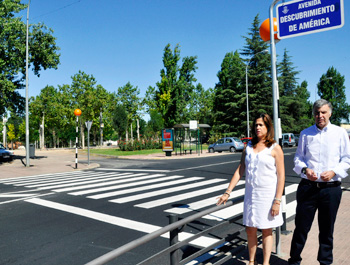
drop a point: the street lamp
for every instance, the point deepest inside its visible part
(246, 87)
(27, 111)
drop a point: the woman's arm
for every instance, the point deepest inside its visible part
(234, 180)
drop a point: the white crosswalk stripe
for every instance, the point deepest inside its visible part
(95, 190)
(165, 191)
(143, 188)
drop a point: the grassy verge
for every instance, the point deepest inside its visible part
(117, 152)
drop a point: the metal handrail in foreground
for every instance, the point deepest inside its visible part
(146, 238)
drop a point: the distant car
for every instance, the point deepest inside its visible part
(296, 136)
(231, 144)
(5, 155)
(245, 140)
(288, 140)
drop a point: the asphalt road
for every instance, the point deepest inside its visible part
(72, 218)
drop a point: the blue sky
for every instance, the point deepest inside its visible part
(118, 41)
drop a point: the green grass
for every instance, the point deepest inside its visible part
(117, 152)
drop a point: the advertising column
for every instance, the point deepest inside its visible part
(168, 141)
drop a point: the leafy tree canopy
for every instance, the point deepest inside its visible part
(43, 53)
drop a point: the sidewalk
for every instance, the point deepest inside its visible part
(55, 161)
(45, 162)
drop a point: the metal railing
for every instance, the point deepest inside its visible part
(175, 228)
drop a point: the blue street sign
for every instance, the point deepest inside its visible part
(301, 17)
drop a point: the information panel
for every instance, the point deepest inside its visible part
(303, 17)
(167, 140)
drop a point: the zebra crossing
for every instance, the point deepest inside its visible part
(144, 190)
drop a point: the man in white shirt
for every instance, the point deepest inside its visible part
(322, 160)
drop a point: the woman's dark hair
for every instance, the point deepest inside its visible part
(269, 138)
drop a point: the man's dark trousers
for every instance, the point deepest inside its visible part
(309, 199)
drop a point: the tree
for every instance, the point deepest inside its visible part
(229, 95)
(331, 87)
(259, 71)
(90, 98)
(173, 93)
(120, 119)
(287, 79)
(46, 106)
(11, 135)
(42, 53)
(291, 104)
(128, 96)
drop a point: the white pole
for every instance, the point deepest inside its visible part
(27, 111)
(275, 98)
(76, 142)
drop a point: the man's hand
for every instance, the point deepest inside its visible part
(327, 175)
(311, 175)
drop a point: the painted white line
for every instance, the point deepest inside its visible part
(183, 196)
(53, 180)
(194, 206)
(116, 187)
(17, 195)
(85, 179)
(291, 188)
(166, 191)
(291, 208)
(143, 188)
(132, 170)
(226, 213)
(118, 221)
(175, 170)
(209, 165)
(44, 176)
(81, 182)
(23, 199)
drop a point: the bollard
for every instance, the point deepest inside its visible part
(174, 238)
(76, 145)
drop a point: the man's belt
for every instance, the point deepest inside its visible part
(320, 185)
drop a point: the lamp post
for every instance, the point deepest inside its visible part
(27, 111)
(246, 87)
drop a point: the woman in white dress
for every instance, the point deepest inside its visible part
(262, 163)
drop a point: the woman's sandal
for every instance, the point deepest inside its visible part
(253, 262)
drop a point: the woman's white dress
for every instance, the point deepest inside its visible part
(260, 189)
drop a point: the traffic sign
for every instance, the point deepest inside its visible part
(88, 125)
(301, 17)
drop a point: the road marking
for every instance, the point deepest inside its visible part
(118, 221)
(143, 188)
(174, 170)
(70, 184)
(25, 198)
(209, 165)
(130, 169)
(17, 179)
(116, 187)
(17, 195)
(194, 206)
(165, 191)
(183, 196)
(65, 179)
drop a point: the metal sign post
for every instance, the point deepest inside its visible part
(88, 126)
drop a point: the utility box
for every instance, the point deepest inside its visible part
(32, 151)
